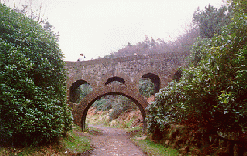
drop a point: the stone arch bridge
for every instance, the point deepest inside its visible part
(100, 74)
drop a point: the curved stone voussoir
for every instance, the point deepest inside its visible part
(80, 111)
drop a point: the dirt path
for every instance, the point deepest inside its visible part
(113, 142)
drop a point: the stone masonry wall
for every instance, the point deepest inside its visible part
(130, 69)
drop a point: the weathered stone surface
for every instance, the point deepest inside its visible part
(127, 70)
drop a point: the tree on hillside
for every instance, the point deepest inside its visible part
(180, 47)
(33, 9)
(211, 20)
(33, 107)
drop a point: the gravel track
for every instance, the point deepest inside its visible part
(113, 142)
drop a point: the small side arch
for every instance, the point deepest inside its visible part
(154, 79)
(73, 83)
(120, 77)
(73, 88)
(115, 78)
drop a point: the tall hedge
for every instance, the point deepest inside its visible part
(33, 106)
(212, 93)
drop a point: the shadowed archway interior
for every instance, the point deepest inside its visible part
(84, 115)
(73, 88)
(115, 78)
(154, 79)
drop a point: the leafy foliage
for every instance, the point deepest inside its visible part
(82, 91)
(103, 104)
(212, 93)
(74, 143)
(33, 100)
(211, 20)
(146, 87)
(118, 104)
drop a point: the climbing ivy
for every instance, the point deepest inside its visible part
(33, 106)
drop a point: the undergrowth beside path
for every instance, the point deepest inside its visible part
(75, 143)
(153, 149)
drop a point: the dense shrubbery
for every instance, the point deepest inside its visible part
(104, 104)
(33, 93)
(146, 87)
(211, 96)
(211, 20)
(118, 104)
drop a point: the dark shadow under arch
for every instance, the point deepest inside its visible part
(84, 115)
(154, 79)
(72, 89)
(115, 78)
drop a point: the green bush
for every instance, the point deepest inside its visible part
(211, 95)
(146, 87)
(103, 104)
(211, 20)
(32, 82)
(117, 103)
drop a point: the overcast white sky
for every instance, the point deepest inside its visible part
(99, 27)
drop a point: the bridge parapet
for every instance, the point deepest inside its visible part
(127, 71)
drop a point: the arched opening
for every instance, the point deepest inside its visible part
(154, 79)
(136, 102)
(115, 78)
(177, 75)
(79, 90)
(115, 110)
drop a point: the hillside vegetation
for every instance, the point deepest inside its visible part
(205, 111)
(180, 47)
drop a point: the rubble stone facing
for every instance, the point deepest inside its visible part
(131, 69)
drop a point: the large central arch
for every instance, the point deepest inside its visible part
(80, 112)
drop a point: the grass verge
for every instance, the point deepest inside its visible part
(74, 143)
(153, 149)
